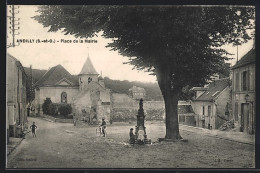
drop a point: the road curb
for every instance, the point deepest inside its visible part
(220, 137)
(48, 120)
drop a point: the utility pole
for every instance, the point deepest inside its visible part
(13, 25)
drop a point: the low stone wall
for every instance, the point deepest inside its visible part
(187, 119)
(48, 117)
(58, 119)
(153, 110)
(123, 115)
(119, 115)
(64, 120)
(154, 114)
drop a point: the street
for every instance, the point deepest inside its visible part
(61, 145)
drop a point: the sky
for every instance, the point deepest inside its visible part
(73, 55)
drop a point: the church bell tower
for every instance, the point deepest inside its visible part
(87, 75)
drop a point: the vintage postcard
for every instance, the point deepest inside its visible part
(112, 86)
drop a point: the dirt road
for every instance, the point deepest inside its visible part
(61, 145)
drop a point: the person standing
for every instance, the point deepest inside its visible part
(132, 136)
(103, 125)
(33, 127)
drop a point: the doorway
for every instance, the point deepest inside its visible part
(244, 117)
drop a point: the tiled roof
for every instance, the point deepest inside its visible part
(18, 63)
(246, 59)
(137, 89)
(199, 89)
(54, 75)
(88, 68)
(36, 73)
(214, 89)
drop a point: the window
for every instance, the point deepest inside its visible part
(209, 110)
(237, 82)
(203, 110)
(245, 81)
(236, 111)
(252, 80)
(63, 97)
(89, 79)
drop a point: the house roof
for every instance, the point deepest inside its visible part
(199, 88)
(18, 63)
(36, 73)
(137, 89)
(214, 89)
(88, 68)
(248, 58)
(54, 75)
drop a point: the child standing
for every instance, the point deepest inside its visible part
(33, 127)
(103, 125)
(132, 136)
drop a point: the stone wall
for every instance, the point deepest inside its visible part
(60, 120)
(15, 96)
(187, 119)
(125, 109)
(123, 115)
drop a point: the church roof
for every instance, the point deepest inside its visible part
(88, 68)
(54, 75)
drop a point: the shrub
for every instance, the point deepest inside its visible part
(54, 109)
(69, 116)
(46, 106)
(65, 109)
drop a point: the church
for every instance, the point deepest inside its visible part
(86, 92)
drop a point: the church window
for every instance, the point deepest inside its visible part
(63, 97)
(89, 79)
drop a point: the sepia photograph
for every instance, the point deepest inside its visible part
(130, 86)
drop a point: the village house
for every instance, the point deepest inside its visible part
(212, 104)
(137, 93)
(16, 97)
(243, 93)
(86, 91)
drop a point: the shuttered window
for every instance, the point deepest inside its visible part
(236, 111)
(237, 82)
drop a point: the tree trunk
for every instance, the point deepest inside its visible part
(171, 96)
(171, 110)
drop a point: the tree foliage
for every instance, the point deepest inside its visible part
(152, 89)
(183, 38)
(181, 45)
(46, 106)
